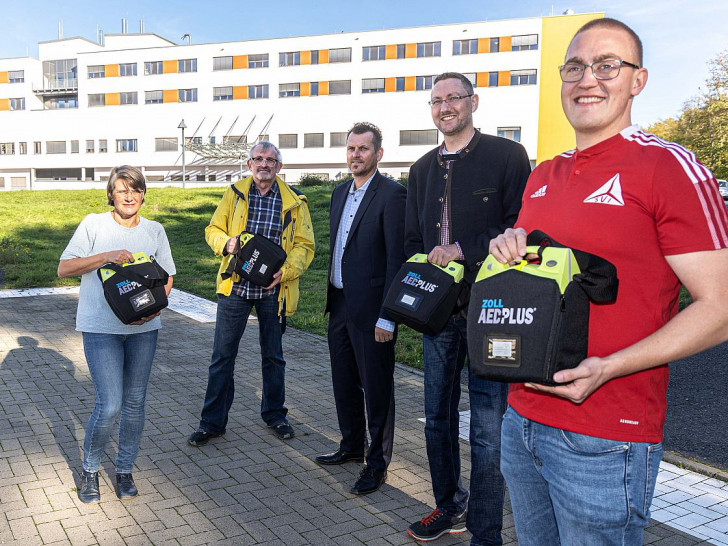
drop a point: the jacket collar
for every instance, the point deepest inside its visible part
(470, 146)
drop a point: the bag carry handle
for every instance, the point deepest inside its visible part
(598, 277)
(130, 275)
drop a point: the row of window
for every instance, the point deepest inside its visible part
(13, 76)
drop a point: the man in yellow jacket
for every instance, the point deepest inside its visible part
(262, 204)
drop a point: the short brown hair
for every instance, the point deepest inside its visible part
(613, 24)
(467, 84)
(364, 127)
(132, 177)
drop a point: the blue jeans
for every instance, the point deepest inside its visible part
(120, 366)
(571, 489)
(444, 356)
(232, 317)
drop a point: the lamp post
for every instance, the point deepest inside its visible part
(184, 172)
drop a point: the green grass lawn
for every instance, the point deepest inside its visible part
(35, 227)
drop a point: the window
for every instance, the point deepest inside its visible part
(340, 87)
(167, 144)
(153, 67)
(127, 69)
(16, 76)
(56, 103)
(289, 59)
(314, 89)
(89, 146)
(417, 138)
(313, 140)
(337, 140)
(97, 99)
(428, 49)
(259, 60)
(22, 148)
(372, 85)
(288, 141)
(96, 71)
(128, 97)
(222, 93)
(126, 145)
(289, 90)
(341, 55)
(74, 146)
(492, 79)
(401, 51)
(473, 77)
(193, 140)
(103, 148)
(187, 65)
(37, 147)
(236, 139)
(424, 82)
(17, 104)
(263, 137)
(494, 45)
(523, 43)
(523, 77)
(464, 47)
(374, 53)
(222, 63)
(258, 91)
(399, 84)
(188, 95)
(7, 148)
(153, 97)
(315, 56)
(55, 146)
(513, 133)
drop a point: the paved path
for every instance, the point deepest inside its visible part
(245, 488)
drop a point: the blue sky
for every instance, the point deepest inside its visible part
(680, 36)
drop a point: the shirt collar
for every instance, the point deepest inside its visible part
(272, 192)
(460, 154)
(353, 189)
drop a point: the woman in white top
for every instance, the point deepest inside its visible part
(119, 356)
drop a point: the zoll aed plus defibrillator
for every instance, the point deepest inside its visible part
(528, 320)
(423, 295)
(257, 259)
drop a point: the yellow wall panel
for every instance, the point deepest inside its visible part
(4, 104)
(410, 51)
(483, 45)
(240, 61)
(505, 43)
(410, 83)
(170, 95)
(4, 77)
(482, 79)
(113, 99)
(555, 135)
(305, 89)
(169, 67)
(504, 77)
(111, 70)
(240, 92)
(305, 57)
(323, 88)
(323, 56)
(390, 51)
(390, 84)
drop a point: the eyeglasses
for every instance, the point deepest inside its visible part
(606, 69)
(436, 103)
(260, 161)
(128, 192)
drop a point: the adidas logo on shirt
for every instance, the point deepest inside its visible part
(541, 192)
(609, 194)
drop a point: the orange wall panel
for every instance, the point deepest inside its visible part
(323, 88)
(305, 57)
(170, 95)
(390, 51)
(483, 45)
(504, 77)
(111, 70)
(323, 56)
(4, 104)
(410, 51)
(240, 92)
(240, 61)
(113, 99)
(505, 43)
(4, 77)
(482, 79)
(390, 84)
(410, 82)
(169, 67)
(305, 89)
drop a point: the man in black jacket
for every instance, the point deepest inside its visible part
(366, 251)
(459, 196)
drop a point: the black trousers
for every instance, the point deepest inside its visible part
(362, 371)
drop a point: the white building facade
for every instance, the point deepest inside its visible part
(82, 107)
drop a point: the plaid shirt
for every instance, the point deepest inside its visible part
(264, 218)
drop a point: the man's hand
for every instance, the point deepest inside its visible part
(580, 382)
(381, 335)
(276, 279)
(145, 319)
(119, 257)
(443, 254)
(233, 245)
(509, 246)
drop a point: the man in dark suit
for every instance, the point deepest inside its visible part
(366, 251)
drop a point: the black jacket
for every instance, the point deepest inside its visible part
(484, 186)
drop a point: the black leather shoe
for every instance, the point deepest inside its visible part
(125, 487)
(89, 490)
(369, 480)
(339, 457)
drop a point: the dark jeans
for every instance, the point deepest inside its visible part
(232, 316)
(444, 355)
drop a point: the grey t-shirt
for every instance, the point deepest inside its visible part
(101, 233)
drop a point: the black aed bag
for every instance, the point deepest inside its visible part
(257, 260)
(134, 290)
(529, 320)
(423, 295)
